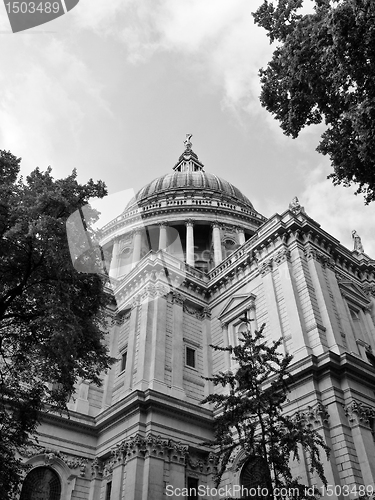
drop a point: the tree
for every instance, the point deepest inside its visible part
(323, 70)
(251, 415)
(51, 316)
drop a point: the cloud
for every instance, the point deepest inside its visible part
(217, 36)
(45, 95)
(338, 210)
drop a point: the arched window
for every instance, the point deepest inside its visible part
(255, 478)
(42, 483)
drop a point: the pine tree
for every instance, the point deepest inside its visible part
(252, 417)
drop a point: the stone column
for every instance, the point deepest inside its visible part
(190, 242)
(218, 256)
(137, 246)
(241, 235)
(114, 267)
(163, 236)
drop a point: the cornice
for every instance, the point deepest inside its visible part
(139, 401)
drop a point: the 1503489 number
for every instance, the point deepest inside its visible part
(31, 7)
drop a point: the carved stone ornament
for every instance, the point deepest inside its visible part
(295, 206)
(324, 260)
(178, 299)
(359, 413)
(265, 267)
(50, 455)
(358, 247)
(282, 256)
(97, 468)
(192, 311)
(205, 313)
(314, 416)
(369, 288)
(187, 142)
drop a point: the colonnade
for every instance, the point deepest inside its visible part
(216, 239)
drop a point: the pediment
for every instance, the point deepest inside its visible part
(236, 305)
(353, 292)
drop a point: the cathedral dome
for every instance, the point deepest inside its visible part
(193, 215)
(204, 183)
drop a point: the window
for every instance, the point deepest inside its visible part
(255, 474)
(123, 360)
(42, 483)
(190, 357)
(354, 314)
(192, 486)
(108, 490)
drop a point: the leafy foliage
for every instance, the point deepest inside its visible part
(251, 414)
(323, 70)
(51, 316)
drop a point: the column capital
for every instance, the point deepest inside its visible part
(136, 230)
(216, 224)
(178, 299)
(190, 222)
(163, 223)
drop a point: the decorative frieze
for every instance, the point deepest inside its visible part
(49, 455)
(314, 416)
(139, 446)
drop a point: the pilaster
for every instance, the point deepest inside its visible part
(301, 347)
(325, 296)
(360, 417)
(157, 368)
(177, 347)
(130, 363)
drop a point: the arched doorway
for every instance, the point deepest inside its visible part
(42, 483)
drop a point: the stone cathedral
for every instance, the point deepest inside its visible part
(189, 256)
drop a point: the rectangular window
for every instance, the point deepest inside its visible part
(108, 491)
(190, 357)
(192, 486)
(123, 360)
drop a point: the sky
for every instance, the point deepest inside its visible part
(112, 88)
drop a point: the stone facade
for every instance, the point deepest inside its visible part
(141, 432)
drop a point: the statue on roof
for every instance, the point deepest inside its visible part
(357, 242)
(295, 206)
(187, 141)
